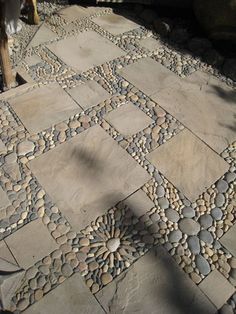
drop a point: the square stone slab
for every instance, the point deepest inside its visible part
(154, 284)
(4, 201)
(44, 107)
(85, 50)
(121, 118)
(44, 34)
(148, 75)
(217, 288)
(88, 94)
(150, 43)
(31, 243)
(188, 163)
(88, 175)
(229, 240)
(139, 203)
(77, 12)
(115, 24)
(203, 104)
(5, 253)
(71, 297)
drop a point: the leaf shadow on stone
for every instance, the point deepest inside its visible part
(229, 96)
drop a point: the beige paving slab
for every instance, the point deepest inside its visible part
(148, 75)
(44, 34)
(150, 43)
(188, 163)
(4, 201)
(203, 104)
(154, 284)
(77, 12)
(88, 94)
(217, 288)
(98, 175)
(85, 50)
(44, 107)
(33, 60)
(3, 148)
(229, 240)
(5, 253)
(31, 243)
(139, 203)
(115, 24)
(121, 118)
(71, 297)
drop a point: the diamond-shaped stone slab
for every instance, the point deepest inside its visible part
(43, 35)
(85, 50)
(150, 43)
(5, 253)
(115, 24)
(87, 175)
(203, 104)
(148, 75)
(31, 243)
(121, 118)
(229, 240)
(71, 297)
(88, 94)
(188, 163)
(44, 107)
(139, 203)
(4, 201)
(217, 288)
(154, 284)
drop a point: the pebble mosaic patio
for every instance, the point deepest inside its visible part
(117, 175)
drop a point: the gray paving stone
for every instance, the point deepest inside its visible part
(150, 43)
(44, 34)
(229, 240)
(72, 297)
(217, 288)
(154, 284)
(95, 179)
(192, 166)
(139, 203)
(85, 50)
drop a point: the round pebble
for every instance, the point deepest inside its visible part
(172, 215)
(113, 244)
(188, 212)
(106, 278)
(216, 213)
(84, 242)
(189, 226)
(222, 186)
(66, 270)
(25, 147)
(202, 265)
(163, 202)
(175, 236)
(194, 244)
(220, 200)
(205, 221)
(206, 236)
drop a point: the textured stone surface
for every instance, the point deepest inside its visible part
(150, 43)
(192, 166)
(217, 288)
(88, 94)
(4, 201)
(31, 243)
(85, 50)
(209, 110)
(101, 169)
(72, 297)
(121, 117)
(115, 24)
(5, 253)
(229, 240)
(43, 107)
(154, 282)
(139, 203)
(3, 148)
(44, 34)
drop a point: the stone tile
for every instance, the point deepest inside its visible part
(188, 163)
(89, 94)
(44, 34)
(217, 288)
(115, 24)
(148, 75)
(100, 174)
(5, 253)
(4, 201)
(154, 282)
(43, 107)
(139, 203)
(31, 243)
(3, 148)
(121, 117)
(33, 60)
(229, 240)
(203, 104)
(85, 50)
(150, 43)
(71, 297)
(76, 12)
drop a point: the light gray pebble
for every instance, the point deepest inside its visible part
(205, 221)
(44, 269)
(216, 213)
(194, 244)
(163, 202)
(188, 212)
(175, 236)
(158, 178)
(155, 217)
(172, 215)
(202, 265)
(222, 186)
(189, 226)
(206, 236)
(220, 200)
(230, 177)
(67, 270)
(160, 191)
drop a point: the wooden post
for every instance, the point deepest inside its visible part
(8, 78)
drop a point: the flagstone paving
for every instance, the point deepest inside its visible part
(117, 174)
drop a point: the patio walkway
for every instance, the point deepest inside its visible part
(117, 175)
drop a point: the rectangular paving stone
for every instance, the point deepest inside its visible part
(150, 43)
(203, 104)
(31, 243)
(44, 107)
(72, 297)
(77, 12)
(139, 203)
(88, 175)
(188, 163)
(44, 34)
(85, 50)
(88, 94)
(217, 288)
(121, 118)
(154, 284)
(229, 240)
(115, 24)
(148, 75)
(4, 201)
